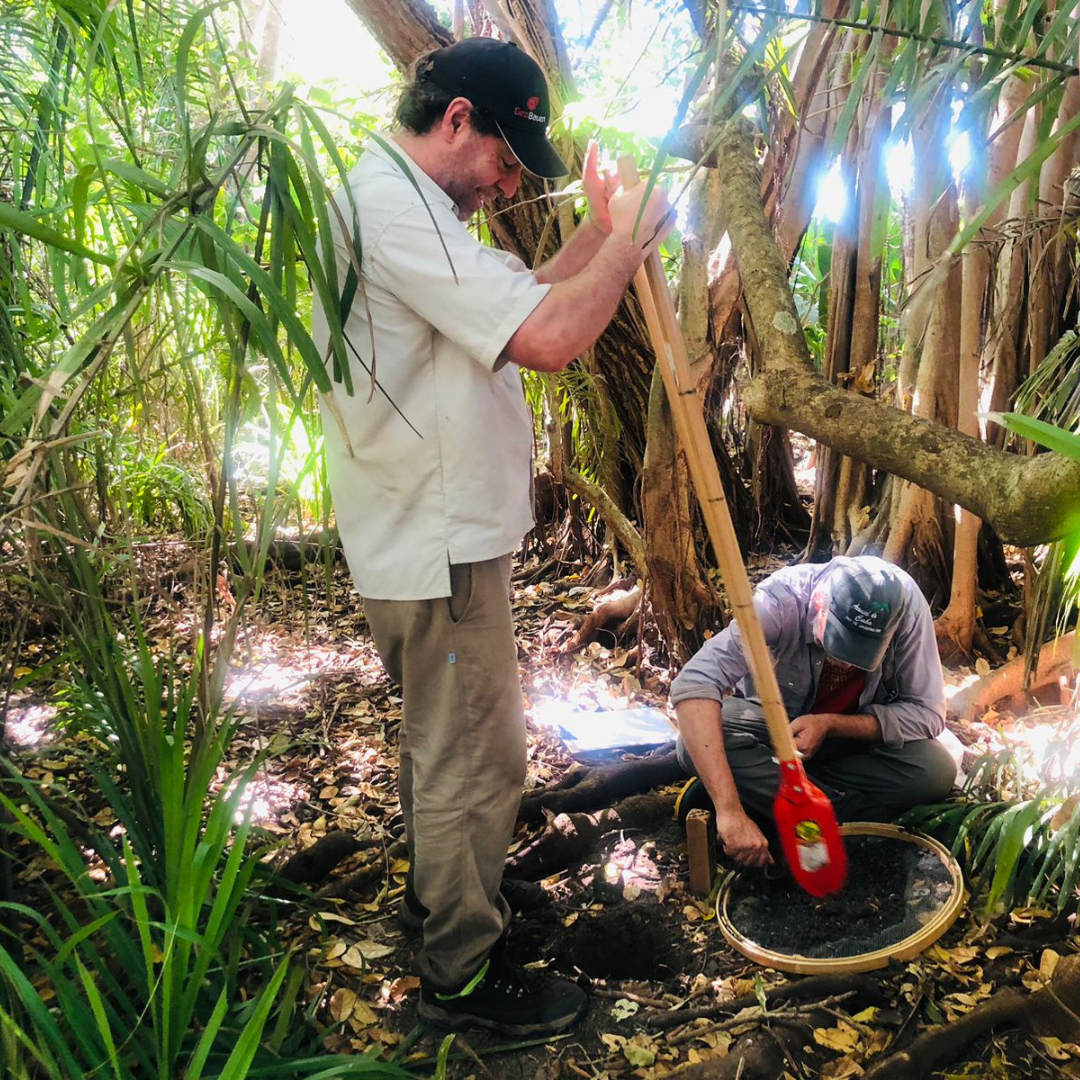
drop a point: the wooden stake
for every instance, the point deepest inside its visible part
(701, 851)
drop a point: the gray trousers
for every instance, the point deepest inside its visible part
(462, 758)
(864, 781)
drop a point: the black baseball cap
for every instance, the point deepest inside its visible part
(505, 82)
(865, 598)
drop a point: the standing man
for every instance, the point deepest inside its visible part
(857, 663)
(431, 479)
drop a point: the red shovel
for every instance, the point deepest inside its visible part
(805, 819)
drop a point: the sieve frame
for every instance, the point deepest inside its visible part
(907, 949)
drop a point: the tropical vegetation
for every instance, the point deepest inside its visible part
(161, 199)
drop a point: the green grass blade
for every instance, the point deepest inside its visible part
(1066, 443)
(28, 225)
(236, 1068)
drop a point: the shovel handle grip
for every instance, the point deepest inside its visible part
(686, 410)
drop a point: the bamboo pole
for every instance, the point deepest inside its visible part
(652, 290)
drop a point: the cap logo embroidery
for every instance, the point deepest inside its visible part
(869, 621)
(532, 103)
(528, 114)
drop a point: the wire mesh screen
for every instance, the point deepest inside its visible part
(897, 891)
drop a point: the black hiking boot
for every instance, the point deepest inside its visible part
(505, 998)
(693, 796)
(522, 896)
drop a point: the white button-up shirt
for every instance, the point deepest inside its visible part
(441, 475)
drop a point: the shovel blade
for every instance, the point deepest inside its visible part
(809, 833)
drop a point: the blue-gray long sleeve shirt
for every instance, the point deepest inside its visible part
(906, 694)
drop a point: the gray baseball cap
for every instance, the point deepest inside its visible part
(865, 601)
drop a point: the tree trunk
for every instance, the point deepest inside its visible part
(794, 159)
(1011, 287)
(682, 603)
(955, 628)
(1028, 500)
(853, 484)
(406, 29)
(932, 348)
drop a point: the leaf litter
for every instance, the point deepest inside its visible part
(318, 705)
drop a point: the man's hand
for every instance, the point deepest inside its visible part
(599, 185)
(810, 731)
(656, 221)
(742, 839)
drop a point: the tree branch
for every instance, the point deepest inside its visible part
(1028, 500)
(620, 525)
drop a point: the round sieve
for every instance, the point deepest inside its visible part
(904, 890)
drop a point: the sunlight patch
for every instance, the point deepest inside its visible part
(29, 725)
(267, 798)
(285, 680)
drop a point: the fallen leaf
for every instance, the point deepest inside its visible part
(362, 1016)
(342, 1003)
(1027, 916)
(640, 1051)
(362, 952)
(316, 921)
(843, 1069)
(400, 987)
(842, 1038)
(1047, 962)
(623, 1009)
(1064, 813)
(963, 954)
(1054, 1047)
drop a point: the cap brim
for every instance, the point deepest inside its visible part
(534, 152)
(853, 648)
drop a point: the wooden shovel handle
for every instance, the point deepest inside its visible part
(670, 348)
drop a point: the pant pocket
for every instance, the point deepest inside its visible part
(461, 591)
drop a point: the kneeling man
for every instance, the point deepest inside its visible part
(857, 663)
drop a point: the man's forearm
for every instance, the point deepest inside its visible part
(862, 726)
(701, 727)
(585, 241)
(575, 312)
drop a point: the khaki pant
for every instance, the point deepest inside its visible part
(462, 757)
(864, 781)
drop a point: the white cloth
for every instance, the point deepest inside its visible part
(456, 489)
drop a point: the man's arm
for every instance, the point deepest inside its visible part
(701, 728)
(811, 730)
(912, 698)
(575, 255)
(576, 311)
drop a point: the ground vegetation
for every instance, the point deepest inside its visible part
(200, 865)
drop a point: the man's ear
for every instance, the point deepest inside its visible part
(457, 119)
